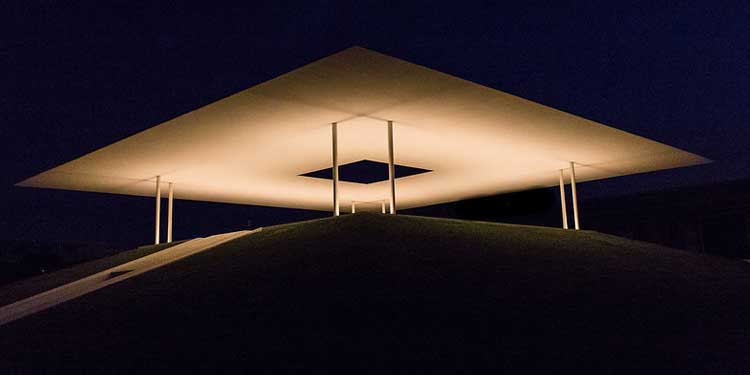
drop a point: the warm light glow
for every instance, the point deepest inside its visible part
(251, 147)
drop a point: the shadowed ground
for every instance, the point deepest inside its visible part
(28, 287)
(381, 293)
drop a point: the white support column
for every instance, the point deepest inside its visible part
(170, 201)
(335, 169)
(391, 169)
(158, 210)
(354, 207)
(562, 201)
(575, 194)
(382, 206)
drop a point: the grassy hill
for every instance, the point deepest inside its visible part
(30, 286)
(381, 293)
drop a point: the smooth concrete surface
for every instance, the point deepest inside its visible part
(113, 275)
(253, 147)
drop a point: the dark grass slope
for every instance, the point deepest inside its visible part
(383, 293)
(34, 285)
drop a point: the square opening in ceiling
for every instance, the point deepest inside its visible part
(365, 172)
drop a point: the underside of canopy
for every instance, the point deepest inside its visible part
(260, 145)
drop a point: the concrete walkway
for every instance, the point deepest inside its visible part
(53, 297)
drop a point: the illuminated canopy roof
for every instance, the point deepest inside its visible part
(255, 147)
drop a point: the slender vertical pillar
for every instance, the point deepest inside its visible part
(562, 201)
(169, 212)
(158, 209)
(335, 168)
(575, 193)
(391, 169)
(354, 207)
(382, 206)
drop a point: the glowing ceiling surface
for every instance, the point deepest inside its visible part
(252, 147)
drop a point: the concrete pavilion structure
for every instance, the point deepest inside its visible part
(434, 138)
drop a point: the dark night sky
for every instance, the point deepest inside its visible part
(77, 78)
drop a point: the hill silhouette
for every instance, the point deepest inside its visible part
(382, 293)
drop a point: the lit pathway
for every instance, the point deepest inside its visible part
(45, 300)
